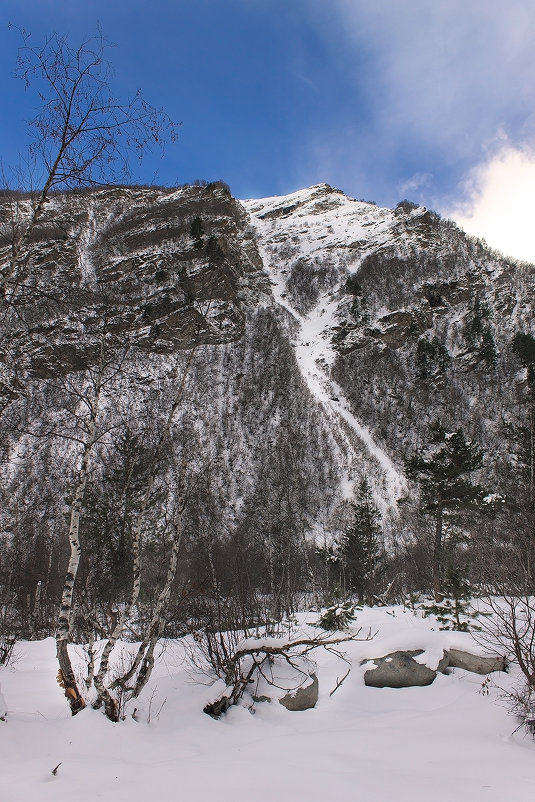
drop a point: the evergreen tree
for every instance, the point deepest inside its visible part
(361, 550)
(111, 503)
(196, 232)
(487, 348)
(524, 350)
(455, 610)
(443, 470)
(478, 333)
(432, 358)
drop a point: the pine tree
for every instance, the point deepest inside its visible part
(361, 548)
(432, 358)
(524, 350)
(110, 504)
(196, 232)
(455, 610)
(487, 348)
(443, 470)
(478, 333)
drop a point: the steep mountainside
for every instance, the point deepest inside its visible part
(398, 319)
(317, 336)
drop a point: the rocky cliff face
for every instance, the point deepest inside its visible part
(140, 265)
(327, 335)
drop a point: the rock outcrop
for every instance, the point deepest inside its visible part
(399, 670)
(476, 663)
(163, 270)
(302, 698)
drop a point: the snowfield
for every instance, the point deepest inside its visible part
(448, 741)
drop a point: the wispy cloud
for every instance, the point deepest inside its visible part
(415, 185)
(448, 68)
(440, 78)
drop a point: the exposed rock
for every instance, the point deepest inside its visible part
(399, 670)
(295, 685)
(444, 662)
(127, 256)
(395, 328)
(441, 293)
(302, 698)
(261, 698)
(217, 708)
(475, 663)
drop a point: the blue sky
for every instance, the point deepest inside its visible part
(433, 100)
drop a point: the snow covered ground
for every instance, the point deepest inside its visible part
(448, 741)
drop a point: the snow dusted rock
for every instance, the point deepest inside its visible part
(475, 663)
(302, 698)
(444, 662)
(295, 685)
(399, 670)
(164, 289)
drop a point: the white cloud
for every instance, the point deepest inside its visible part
(501, 202)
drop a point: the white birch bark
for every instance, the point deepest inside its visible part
(111, 705)
(144, 660)
(66, 676)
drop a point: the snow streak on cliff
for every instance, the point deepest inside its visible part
(318, 228)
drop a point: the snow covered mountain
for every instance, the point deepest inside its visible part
(319, 336)
(398, 319)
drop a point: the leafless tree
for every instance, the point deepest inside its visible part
(132, 681)
(510, 629)
(82, 135)
(88, 397)
(241, 663)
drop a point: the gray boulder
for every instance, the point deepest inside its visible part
(475, 663)
(399, 670)
(444, 662)
(302, 698)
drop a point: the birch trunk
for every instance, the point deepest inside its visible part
(111, 705)
(66, 678)
(144, 661)
(63, 630)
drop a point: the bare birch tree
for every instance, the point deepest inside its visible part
(89, 398)
(82, 135)
(140, 670)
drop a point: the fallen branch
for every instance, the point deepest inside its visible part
(262, 652)
(340, 681)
